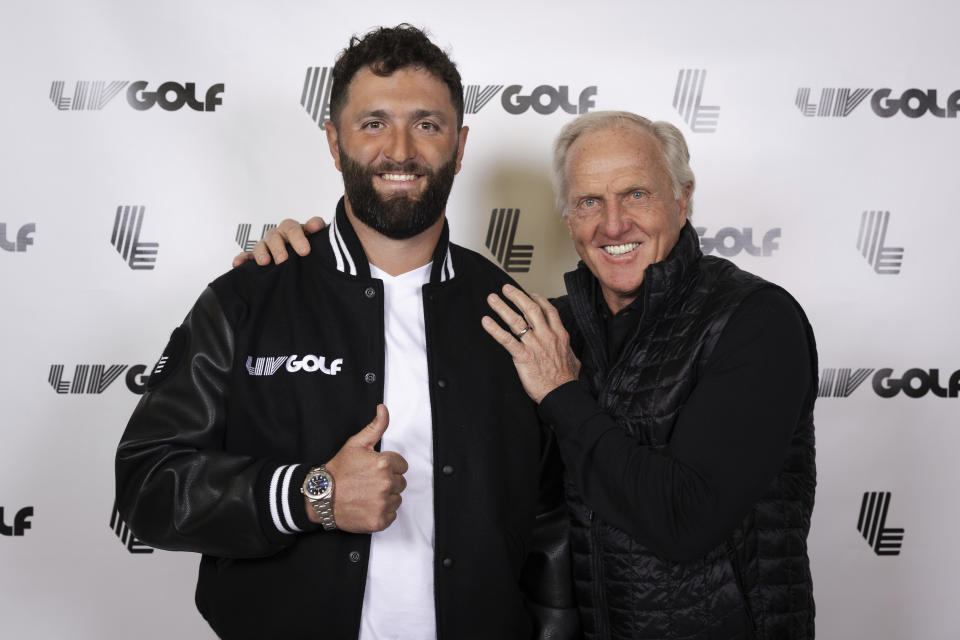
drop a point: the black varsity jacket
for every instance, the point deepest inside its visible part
(270, 373)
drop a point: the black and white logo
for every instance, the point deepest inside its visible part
(315, 95)
(475, 97)
(546, 99)
(21, 241)
(872, 524)
(94, 95)
(501, 235)
(126, 536)
(269, 365)
(243, 235)
(730, 241)
(687, 101)
(21, 522)
(833, 103)
(913, 103)
(126, 238)
(886, 383)
(94, 379)
(872, 243)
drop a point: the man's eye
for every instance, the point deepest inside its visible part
(428, 126)
(588, 203)
(638, 195)
(374, 124)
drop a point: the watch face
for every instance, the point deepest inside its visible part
(318, 484)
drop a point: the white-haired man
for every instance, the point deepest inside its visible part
(687, 431)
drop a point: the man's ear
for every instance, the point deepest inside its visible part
(461, 143)
(333, 137)
(684, 201)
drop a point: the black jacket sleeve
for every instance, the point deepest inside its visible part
(547, 578)
(177, 488)
(728, 443)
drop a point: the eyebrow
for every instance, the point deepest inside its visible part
(416, 115)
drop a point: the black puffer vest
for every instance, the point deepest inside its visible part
(756, 584)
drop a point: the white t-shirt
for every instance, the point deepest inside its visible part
(398, 601)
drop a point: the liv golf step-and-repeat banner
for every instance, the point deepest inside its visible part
(145, 144)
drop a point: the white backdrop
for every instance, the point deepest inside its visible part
(767, 163)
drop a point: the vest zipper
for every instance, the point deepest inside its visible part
(596, 566)
(738, 576)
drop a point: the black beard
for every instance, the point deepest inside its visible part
(399, 217)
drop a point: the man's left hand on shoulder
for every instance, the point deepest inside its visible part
(538, 344)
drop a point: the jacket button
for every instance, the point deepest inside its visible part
(370, 292)
(447, 470)
(370, 378)
(354, 556)
(448, 563)
(442, 383)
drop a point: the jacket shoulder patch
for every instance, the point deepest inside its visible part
(173, 356)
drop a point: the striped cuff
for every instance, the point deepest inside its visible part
(284, 512)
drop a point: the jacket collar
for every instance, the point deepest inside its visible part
(347, 254)
(662, 282)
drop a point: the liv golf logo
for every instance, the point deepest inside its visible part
(315, 96)
(729, 242)
(126, 536)
(913, 103)
(543, 99)
(126, 238)
(686, 100)
(872, 524)
(243, 235)
(501, 236)
(913, 383)
(872, 243)
(93, 379)
(20, 241)
(94, 95)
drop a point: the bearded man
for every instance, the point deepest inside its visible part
(249, 446)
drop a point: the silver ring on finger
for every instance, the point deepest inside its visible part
(523, 331)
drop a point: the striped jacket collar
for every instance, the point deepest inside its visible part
(349, 257)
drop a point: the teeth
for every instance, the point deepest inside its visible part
(620, 249)
(398, 177)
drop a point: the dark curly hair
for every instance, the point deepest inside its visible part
(387, 49)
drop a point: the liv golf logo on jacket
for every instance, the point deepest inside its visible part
(841, 102)
(686, 100)
(872, 243)
(94, 95)
(872, 524)
(501, 235)
(886, 383)
(126, 238)
(126, 536)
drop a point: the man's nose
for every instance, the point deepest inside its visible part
(400, 147)
(614, 222)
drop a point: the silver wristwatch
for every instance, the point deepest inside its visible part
(318, 488)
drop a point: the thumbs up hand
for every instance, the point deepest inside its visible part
(366, 483)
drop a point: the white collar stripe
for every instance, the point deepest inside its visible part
(447, 273)
(333, 244)
(346, 252)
